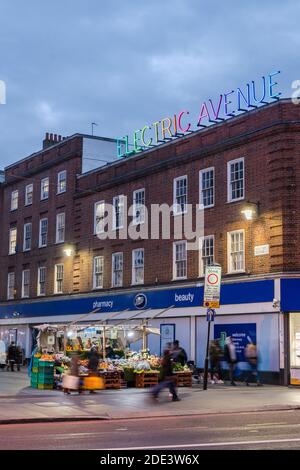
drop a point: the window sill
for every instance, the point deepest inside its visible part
(179, 278)
(235, 200)
(241, 271)
(98, 288)
(61, 192)
(175, 214)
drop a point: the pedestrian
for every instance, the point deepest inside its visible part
(230, 357)
(71, 381)
(178, 353)
(168, 379)
(251, 354)
(93, 363)
(11, 356)
(19, 357)
(215, 355)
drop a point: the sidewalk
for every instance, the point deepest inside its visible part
(20, 403)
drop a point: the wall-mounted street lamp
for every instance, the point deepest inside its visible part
(68, 250)
(251, 210)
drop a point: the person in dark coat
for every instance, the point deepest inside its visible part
(93, 361)
(11, 356)
(230, 357)
(168, 379)
(19, 357)
(179, 354)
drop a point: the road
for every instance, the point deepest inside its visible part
(263, 430)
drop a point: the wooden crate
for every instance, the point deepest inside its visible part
(146, 379)
(112, 379)
(183, 379)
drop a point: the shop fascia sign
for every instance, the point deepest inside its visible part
(226, 105)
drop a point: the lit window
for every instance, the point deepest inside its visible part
(62, 182)
(12, 241)
(44, 188)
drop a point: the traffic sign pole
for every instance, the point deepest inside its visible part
(206, 358)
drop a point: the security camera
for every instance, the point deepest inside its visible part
(276, 303)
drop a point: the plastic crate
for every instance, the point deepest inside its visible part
(34, 370)
(45, 386)
(34, 384)
(46, 364)
(46, 380)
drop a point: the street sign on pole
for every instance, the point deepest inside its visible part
(212, 286)
(211, 300)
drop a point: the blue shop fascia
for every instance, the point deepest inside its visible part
(265, 311)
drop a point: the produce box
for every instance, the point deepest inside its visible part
(45, 386)
(34, 370)
(45, 380)
(146, 379)
(46, 364)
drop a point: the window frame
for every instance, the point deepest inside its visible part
(56, 291)
(96, 204)
(40, 233)
(15, 191)
(27, 203)
(12, 229)
(175, 277)
(27, 285)
(229, 183)
(57, 241)
(135, 221)
(41, 195)
(59, 181)
(229, 257)
(122, 212)
(95, 274)
(201, 264)
(39, 293)
(112, 268)
(11, 273)
(175, 205)
(134, 282)
(201, 173)
(27, 224)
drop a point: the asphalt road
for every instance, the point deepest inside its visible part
(264, 430)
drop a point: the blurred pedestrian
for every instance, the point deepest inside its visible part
(178, 353)
(19, 357)
(71, 381)
(11, 356)
(168, 379)
(93, 363)
(251, 354)
(215, 355)
(231, 358)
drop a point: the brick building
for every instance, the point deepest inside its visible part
(55, 268)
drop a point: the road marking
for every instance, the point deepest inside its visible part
(208, 444)
(265, 424)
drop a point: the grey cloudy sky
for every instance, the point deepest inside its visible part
(126, 63)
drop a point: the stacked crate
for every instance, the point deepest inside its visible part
(45, 375)
(34, 372)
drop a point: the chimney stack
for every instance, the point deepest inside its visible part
(51, 139)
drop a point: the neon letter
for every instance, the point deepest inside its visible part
(155, 124)
(179, 121)
(136, 147)
(175, 124)
(227, 103)
(120, 143)
(166, 128)
(203, 113)
(264, 91)
(216, 114)
(148, 144)
(245, 98)
(273, 84)
(127, 151)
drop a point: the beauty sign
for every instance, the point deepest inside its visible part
(223, 106)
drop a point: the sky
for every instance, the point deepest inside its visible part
(126, 63)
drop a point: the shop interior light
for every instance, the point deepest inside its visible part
(130, 334)
(70, 334)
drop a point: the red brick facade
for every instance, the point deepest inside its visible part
(267, 138)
